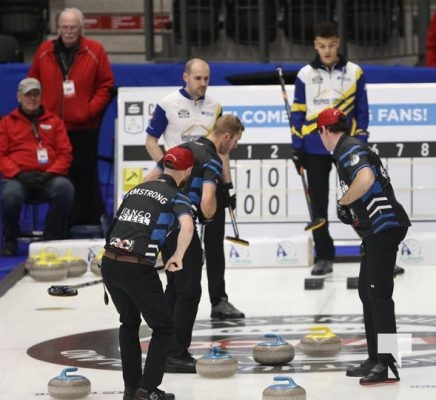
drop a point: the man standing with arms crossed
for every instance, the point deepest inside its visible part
(77, 85)
(185, 116)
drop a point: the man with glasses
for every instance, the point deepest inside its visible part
(35, 155)
(78, 84)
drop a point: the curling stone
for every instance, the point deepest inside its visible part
(217, 364)
(322, 344)
(48, 269)
(67, 386)
(95, 263)
(275, 352)
(31, 260)
(75, 266)
(287, 391)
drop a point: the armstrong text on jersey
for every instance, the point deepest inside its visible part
(148, 193)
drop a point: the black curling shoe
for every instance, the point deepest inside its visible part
(361, 370)
(379, 374)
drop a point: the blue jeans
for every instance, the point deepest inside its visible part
(57, 192)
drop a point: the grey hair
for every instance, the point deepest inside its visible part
(78, 13)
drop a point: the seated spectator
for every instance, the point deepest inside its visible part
(35, 155)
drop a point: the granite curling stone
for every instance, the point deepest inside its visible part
(217, 364)
(75, 266)
(287, 391)
(31, 260)
(274, 352)
(67, 386)
(48, 270)
(322, 344)
(96, 262)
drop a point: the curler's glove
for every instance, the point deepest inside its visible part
(362, 135)
(344, 214)
(198, 215)
(299, 159)
(229, 200)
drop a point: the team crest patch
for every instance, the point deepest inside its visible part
(354, 160)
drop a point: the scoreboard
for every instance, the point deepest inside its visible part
(269, 190)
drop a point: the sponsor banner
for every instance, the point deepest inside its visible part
(269, 191)
(417, 249)
(295, 251)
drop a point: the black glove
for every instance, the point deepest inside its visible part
(229, 200)
(34, 180)
(344, 214)
(204, 221)
(44, 177)
(363, 136)
(299, 159)
(198, 215)
(29, 179)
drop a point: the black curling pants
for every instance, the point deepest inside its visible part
(137, 290)
(214, 249)
(376, 286)
(318, 169)
(183, 291)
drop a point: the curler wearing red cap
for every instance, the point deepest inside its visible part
(329, 116)
(178, 158)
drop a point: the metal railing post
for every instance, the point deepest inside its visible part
(343, 26)
(423, 20)
(149, 30)
(262, 20)
(184, 29)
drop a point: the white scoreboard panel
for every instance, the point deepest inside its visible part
(269, 191)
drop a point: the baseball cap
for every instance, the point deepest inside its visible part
(28, 84)
(178, 158)
(329, 116)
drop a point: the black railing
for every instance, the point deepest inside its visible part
(381, 31)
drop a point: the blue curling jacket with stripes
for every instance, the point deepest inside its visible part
(208, 167)
(378, 209)
(145, 217)
(318, 87)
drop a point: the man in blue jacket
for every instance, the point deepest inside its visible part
(328, 81)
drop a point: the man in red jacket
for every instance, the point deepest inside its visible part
(35, 155)
(78, 84)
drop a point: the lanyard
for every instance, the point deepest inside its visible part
(36, 133)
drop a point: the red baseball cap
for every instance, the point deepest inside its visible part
(329, 116)
(178, 158)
